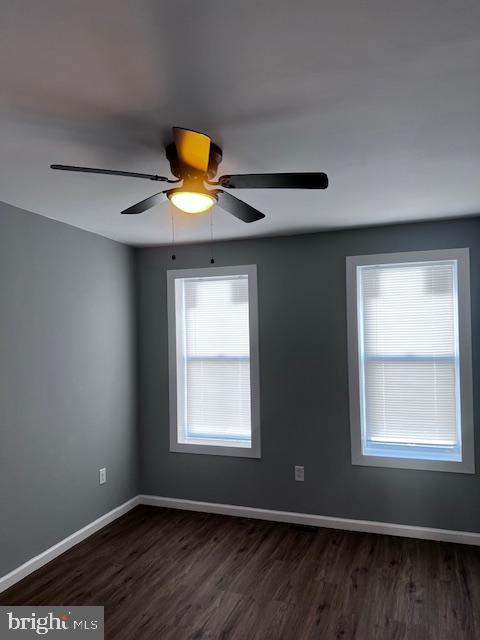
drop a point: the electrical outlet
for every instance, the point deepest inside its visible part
(103, 475)
(299, 473)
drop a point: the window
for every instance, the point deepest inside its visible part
(213, 355)
(410, 372)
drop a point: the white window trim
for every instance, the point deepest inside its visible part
(467, 464)
(245, 452)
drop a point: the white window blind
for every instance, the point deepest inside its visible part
(409, 360)
(213, 361)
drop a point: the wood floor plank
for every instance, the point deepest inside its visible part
(163, 574)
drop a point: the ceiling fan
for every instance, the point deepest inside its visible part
(194, 160)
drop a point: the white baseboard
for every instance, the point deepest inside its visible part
(35, 563)
(365, 526)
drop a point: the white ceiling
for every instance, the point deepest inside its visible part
(384, 96)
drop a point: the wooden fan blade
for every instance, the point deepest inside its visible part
(193, 148)
(110, 172)
(238, 208)
(146, 204)
(275, 181)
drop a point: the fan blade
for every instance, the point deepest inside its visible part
(275, 181)
(111, 172)
(148, 203)
(237, 207)
(193, 148)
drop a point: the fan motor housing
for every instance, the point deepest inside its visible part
(214, 159)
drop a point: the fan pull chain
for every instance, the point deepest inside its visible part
(173, 233)
(212, 259)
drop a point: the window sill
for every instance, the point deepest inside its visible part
(465, 466)
(216, 450)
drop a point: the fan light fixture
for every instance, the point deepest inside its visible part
(192, 201)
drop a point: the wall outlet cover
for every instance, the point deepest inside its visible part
(299, 473)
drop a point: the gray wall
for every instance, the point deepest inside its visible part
(303, 378)
(67, 404)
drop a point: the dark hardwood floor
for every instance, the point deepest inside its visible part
(175, 575)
